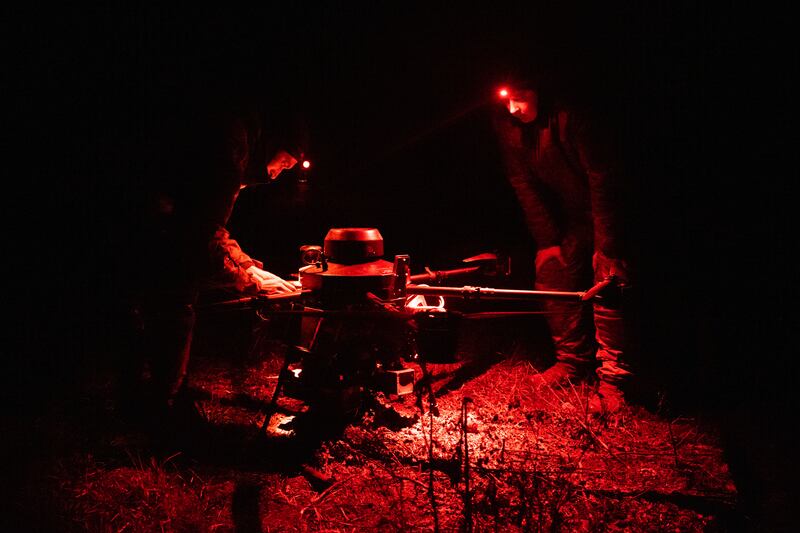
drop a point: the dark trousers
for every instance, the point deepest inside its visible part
(158, 339)
(584, 334)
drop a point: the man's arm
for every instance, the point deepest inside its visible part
(538, 217)
(238, 268)
(598, 159)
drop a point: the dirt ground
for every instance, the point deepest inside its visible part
(482, 450)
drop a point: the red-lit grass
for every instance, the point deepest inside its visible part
(537, 461)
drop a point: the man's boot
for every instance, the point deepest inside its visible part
(558, 375)
(607, 399)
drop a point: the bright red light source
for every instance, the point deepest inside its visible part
(503, 92)
(306, 164)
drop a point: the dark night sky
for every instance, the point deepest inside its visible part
(396, 100)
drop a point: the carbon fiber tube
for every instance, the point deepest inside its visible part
(487, 293)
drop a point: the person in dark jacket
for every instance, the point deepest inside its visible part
(195, 162)
(569, 185)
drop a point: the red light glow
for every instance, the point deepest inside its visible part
(503, 92)
(306, 164)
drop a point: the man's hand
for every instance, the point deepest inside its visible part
(270, 283)
(546, 254)
(605, 266)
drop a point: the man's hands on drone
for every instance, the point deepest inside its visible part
(270, 283)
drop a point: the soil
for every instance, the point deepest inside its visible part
(482, 449)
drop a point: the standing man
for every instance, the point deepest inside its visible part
(567, 180)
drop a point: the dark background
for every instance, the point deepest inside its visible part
(397, 101)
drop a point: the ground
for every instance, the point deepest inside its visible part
(500, 454)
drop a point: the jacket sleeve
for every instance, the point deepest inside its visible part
(230, 263)
(597, 155)
(538, 217)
